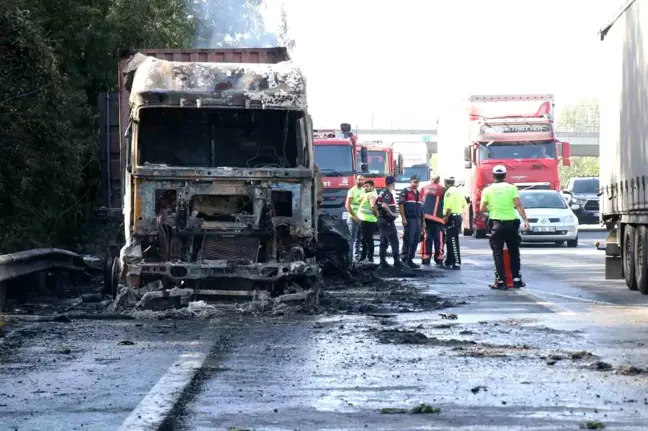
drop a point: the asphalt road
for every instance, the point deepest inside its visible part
(554, 355)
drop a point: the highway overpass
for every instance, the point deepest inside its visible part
(583, 144)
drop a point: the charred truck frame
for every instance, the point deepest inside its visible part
(219, 191)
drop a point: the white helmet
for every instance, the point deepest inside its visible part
(499, 169)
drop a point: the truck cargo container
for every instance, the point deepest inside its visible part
(623, 145)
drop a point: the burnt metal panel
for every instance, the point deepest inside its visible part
(113, 170)
(110, 173)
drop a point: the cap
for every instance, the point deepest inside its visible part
(414, 178)
(390, 180)
(499, 169)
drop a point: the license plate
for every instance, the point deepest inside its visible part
(596, 214)
(544, 229)
(345, 216)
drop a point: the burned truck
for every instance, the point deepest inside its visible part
(219, 193)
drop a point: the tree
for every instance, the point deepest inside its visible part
(583, 117)
(230, 23)
(56, 57)
(284, 34)
(580, 167)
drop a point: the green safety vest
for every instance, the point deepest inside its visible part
(499, 197)
(356, 195)
(366, 213)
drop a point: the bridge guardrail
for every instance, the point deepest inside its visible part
(28, 262)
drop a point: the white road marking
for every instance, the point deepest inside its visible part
(575, 298)
(158, 403)
(552, 306)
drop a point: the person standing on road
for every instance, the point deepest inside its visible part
(368, 215)
(434, 222)
(453, 204)
(501, 200)
(353, 222)
(410, 207)
(386, 206)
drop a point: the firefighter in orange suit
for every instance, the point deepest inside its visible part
(434, 223)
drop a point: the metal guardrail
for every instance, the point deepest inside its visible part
(28, 262)
(40, 259)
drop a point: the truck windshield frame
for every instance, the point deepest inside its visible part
(376, 166)
(517, 150)
(334, 158)
(207, 138)
(422, 172)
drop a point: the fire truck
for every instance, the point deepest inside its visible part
(339, 158)
(381, 163)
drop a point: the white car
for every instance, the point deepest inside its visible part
(550, 218)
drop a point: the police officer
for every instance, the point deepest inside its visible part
(368, 215)
(386, 205)
(500, 200)
(410, 206)
(353, 222)
(453, 204)
(434, 222)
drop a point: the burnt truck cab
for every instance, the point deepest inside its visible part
(219, 190)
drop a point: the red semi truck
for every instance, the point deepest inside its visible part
(337, 154)
(381, 163)
(516, 131)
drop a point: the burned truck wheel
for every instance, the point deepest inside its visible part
(111, 282)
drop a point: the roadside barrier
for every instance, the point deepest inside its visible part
(28, 262)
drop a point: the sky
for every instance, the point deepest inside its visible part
(398, 63)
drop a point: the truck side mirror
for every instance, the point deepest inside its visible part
(364, 155)
(468, 153)
(467, 165)
(401, 164)
(566, 153)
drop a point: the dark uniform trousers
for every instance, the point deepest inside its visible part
(453, 253)
(505, 232)
(411, 237)
(434, 239)
(388, 237)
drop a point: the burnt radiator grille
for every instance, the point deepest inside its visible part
(218, 248)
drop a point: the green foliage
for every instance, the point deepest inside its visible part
(57, 56)
(230, 23)
(580, 167)
(284, 32)
(583, 117)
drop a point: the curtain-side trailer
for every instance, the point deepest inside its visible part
(624, 145)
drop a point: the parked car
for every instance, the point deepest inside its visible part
(550, 218)
(583, 192)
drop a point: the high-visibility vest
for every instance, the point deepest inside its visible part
(365, 212)
(356, 195)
